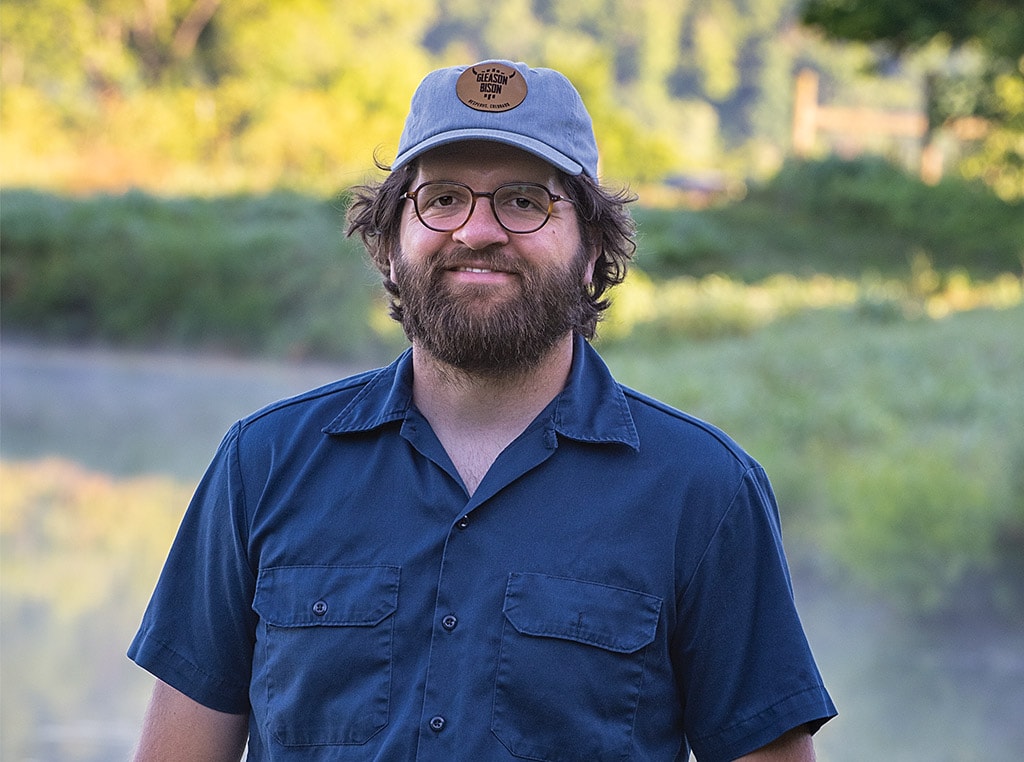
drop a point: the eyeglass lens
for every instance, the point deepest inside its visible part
(519, 207)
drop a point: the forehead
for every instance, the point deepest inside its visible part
(484, 161)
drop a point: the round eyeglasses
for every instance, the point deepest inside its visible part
(518, 207)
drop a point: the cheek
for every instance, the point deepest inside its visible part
(416, 243)
(406, 242)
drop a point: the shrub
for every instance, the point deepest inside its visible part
(269, 274)
(956, 222)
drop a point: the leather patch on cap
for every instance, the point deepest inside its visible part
(491, 87)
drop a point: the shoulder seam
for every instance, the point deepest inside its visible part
(352, 382)
(733, 448)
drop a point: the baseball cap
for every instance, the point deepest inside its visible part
(537, 110)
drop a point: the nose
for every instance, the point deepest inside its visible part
(482, 229)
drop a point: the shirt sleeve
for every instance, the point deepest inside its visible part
(746, 671)
(197, 633)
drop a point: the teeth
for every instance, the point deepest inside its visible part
(474, 270)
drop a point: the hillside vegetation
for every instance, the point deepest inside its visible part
(191, 96)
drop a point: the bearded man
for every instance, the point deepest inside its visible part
(490, 549)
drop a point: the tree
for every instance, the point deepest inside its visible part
(997, 25)
(993, 91)
(112, 43)
(201, 94)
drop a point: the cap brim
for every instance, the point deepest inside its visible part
(537, 148)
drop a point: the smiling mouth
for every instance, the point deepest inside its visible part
(478, 270)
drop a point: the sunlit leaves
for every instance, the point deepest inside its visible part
(717, 51)
(210, 96)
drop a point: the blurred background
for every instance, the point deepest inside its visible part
(830, 268)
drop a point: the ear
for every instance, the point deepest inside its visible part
(588, 273)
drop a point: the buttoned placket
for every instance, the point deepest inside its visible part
(439, 722)
(440, 719)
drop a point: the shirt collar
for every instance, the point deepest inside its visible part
(385, 398)
(591, 408)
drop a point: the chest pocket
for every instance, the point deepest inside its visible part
(322, 667)
(571, 668)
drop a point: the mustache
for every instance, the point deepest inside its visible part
(489, 259)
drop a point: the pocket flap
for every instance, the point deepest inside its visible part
(334, 596)
(608, 617)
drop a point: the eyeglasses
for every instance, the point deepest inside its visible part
(518, 207)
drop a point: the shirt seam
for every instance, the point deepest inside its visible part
(335, 387)
(723, 439)
(245, 528)
(817, 687)
(198, 669)
(718, 528)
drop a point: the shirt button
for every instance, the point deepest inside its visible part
(463, 522)
(320, 608)
(450, 622)
(437, 723)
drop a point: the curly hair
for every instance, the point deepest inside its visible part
(606, 225)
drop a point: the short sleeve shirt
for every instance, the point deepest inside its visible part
(614, 589)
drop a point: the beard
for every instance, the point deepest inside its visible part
(482, 333)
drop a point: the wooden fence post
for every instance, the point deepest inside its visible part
(856, 122)
(805, 112)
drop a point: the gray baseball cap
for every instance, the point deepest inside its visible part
(537, 110)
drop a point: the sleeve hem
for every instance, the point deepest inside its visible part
(811, 707)
(174, 669)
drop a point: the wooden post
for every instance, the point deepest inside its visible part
(857, 122)
(805, 113)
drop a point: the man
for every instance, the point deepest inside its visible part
(488, 550)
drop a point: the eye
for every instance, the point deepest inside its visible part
(441, 197)
(523, 198)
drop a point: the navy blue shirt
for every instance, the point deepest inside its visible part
(615, 588)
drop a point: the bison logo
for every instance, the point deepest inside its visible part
(491, 87)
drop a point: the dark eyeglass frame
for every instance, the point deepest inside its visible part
(553, 198)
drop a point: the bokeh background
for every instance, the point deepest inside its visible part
(830, 268)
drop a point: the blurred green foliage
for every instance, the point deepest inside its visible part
(247, 274)
(996, 25)
(839, 217)
(984, 80)
(198, 96)
(274, 273)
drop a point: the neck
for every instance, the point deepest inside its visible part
(484, 398)
(476, 416)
